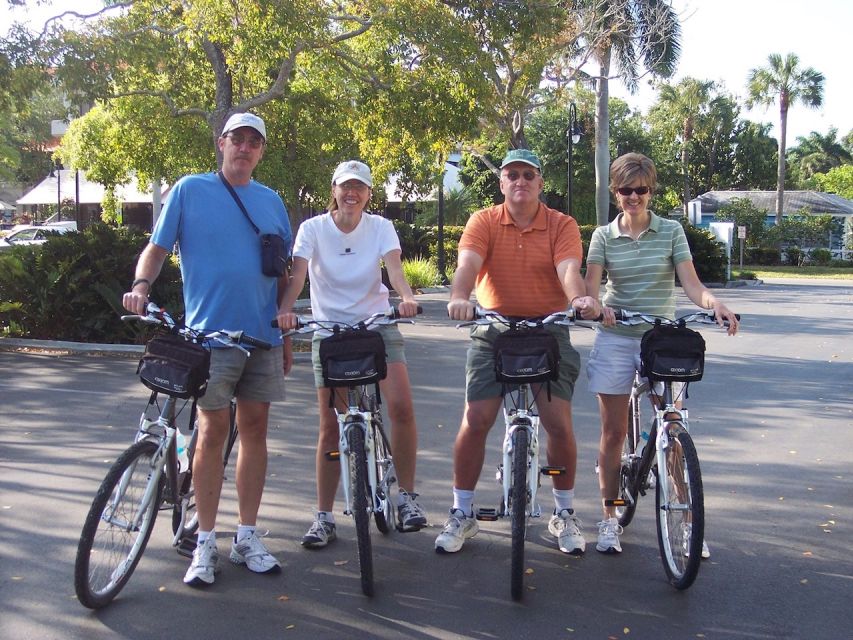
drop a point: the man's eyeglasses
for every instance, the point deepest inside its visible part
(512, 176)
(256, 142)
(627, 191)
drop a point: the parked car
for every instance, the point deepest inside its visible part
(35, 235)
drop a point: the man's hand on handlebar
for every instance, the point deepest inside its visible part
(135, 302)
(407, 309)
(287, 320)
(460, 310)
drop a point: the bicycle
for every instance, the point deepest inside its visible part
(526, 355)
(145, 479)
(353, 359)
(670, 466)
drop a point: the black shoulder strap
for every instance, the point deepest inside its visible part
(238, 201)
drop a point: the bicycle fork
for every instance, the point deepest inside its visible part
(663, 448)
(346, 423)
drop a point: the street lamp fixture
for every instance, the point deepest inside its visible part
(573, 136)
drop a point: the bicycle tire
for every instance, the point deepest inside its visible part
(383, 513)
(107, 552)
(627, 475)
(518, 511)
(683, 479)
(360, 508)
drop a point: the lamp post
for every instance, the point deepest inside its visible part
(573, 136)
(58, 191)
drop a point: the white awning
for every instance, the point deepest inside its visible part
(48, 192)
(5, 206)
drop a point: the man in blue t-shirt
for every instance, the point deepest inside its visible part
(225, 288)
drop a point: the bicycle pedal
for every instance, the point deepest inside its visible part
(186, 547)
(488, 515)
(333, 456)
(618, 502)
(553, 471)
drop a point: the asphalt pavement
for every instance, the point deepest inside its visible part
(773, 422)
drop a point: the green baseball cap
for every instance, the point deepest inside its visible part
(521, 155)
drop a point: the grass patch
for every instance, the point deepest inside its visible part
(420, 273)
(842, 273)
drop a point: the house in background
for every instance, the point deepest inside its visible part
(704, 208)
(80, 199)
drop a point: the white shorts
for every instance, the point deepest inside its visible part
(612, 363)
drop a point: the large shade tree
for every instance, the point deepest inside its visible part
(783, 81)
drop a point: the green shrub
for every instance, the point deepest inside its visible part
(70, 287)
(820, 257)
(794, 256)
(708, 255)
(764, 256)
(421, 273)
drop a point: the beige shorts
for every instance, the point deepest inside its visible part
(259, 378)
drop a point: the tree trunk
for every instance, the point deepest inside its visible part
(780, 177)
(602, 144)
(685, 166)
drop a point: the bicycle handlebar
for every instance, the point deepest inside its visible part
(628, 317)
(305, 324)
(487, 316)
(156, 315)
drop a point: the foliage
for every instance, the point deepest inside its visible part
(744, 213)
(815, 153)
(414, 240)
(838, 180)
(421, 273)
(820, 257)
(70, 287)
(459, 204)
(801, 230)
(708, 255)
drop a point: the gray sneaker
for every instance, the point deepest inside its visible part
(566, 527)
(457, 529)
(319, 535)
(204, 565)
(410, 516)
(609, 531)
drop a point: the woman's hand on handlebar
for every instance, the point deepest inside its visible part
(609, 316)
(287, 320)
(725, 317)
(460, 310)
(588, 307)
(407, 309)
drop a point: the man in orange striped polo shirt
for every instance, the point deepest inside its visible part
(524, 260)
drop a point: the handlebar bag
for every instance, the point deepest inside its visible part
(175, 366)
(675, 354)
(526, 356)
(351, 358)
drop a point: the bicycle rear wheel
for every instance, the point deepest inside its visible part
(385, 480)
(118, 526)
(361, 508)
(681, 518)
(518, 510)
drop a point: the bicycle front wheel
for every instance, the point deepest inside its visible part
(361, 507)
(118, 526)
(385, 479)
(518, 511)
(681, 510)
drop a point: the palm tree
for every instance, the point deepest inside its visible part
(816, 153)
(633, 34)
(681, 105)
(785, 81)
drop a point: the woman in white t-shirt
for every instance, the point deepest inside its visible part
(342, 249)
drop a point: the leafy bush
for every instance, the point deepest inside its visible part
(70, 287)
(764, 256)
(421, 273)
(794, 256)
(820, 257)
(708, 255)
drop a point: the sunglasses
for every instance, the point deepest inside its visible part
(627, 191)
(512, 176)
(255, 142)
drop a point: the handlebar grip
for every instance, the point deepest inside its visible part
(274, 323)
(255, 342)
(395, 312)
(299, 323)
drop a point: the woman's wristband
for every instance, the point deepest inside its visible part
(141, 281)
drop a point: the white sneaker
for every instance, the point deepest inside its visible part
(566, 527)
(688, 529)
(608, 536)
(204, 564)
(457, 529)
(252, 552)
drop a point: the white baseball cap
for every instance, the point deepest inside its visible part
(352, 170)
(245, 120)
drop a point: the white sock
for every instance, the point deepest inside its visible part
(326, 516)
(244, 531)
(463, 499)
(564, 499)
(204, 535)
